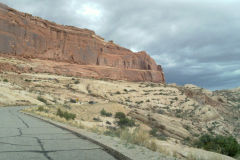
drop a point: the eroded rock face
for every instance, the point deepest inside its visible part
(23, 35)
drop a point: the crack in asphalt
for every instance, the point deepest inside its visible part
(39, 146)
(45, 153)
(23, 121)
(20, 132)
(19, 118)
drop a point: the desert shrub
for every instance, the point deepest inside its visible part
(76, 82)
(227, 145)
(162, 137)
(123, 120)
(160, 111)
(153, 132)
(179, 116)
(128, 100)
(42, 109)
(139, 102)
(195, 135)
(60, 112)
(27, 80)
(91, 102)
(210, 129)
(120, 115)
(126, 122)
(5, 80)
(109, 123)
(187, 127)
(220, 100)
(105, 113)
(73, 100)
(118, 92)
(42, 99)
(97, 119)
(66, 115)
(187, 140)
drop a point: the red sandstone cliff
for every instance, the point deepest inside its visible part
(23, 35)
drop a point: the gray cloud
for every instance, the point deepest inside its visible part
(196, 42)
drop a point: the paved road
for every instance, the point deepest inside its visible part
(25, 138)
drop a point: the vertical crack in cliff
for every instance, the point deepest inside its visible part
(64, 41)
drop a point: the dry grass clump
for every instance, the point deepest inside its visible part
(138, 137)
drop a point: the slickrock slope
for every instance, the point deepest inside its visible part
(24, 35)
(178, 114)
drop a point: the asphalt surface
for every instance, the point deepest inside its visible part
(23, 137)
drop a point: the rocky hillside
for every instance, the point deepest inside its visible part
(24, 35)
(178, 115)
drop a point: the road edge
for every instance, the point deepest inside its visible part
(116, 154)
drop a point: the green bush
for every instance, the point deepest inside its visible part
(76, 82)
(123, 120)
(27, 80)
(42, 109)
(153, 132)
(42, 99)
(227, 145)
(126, 122)
(105, 113)
(66, 114)
(5, 80)
(120, 115)
(60, 112)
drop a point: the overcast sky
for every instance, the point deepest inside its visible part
(196, 42)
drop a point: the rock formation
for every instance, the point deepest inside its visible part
(24, 35)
